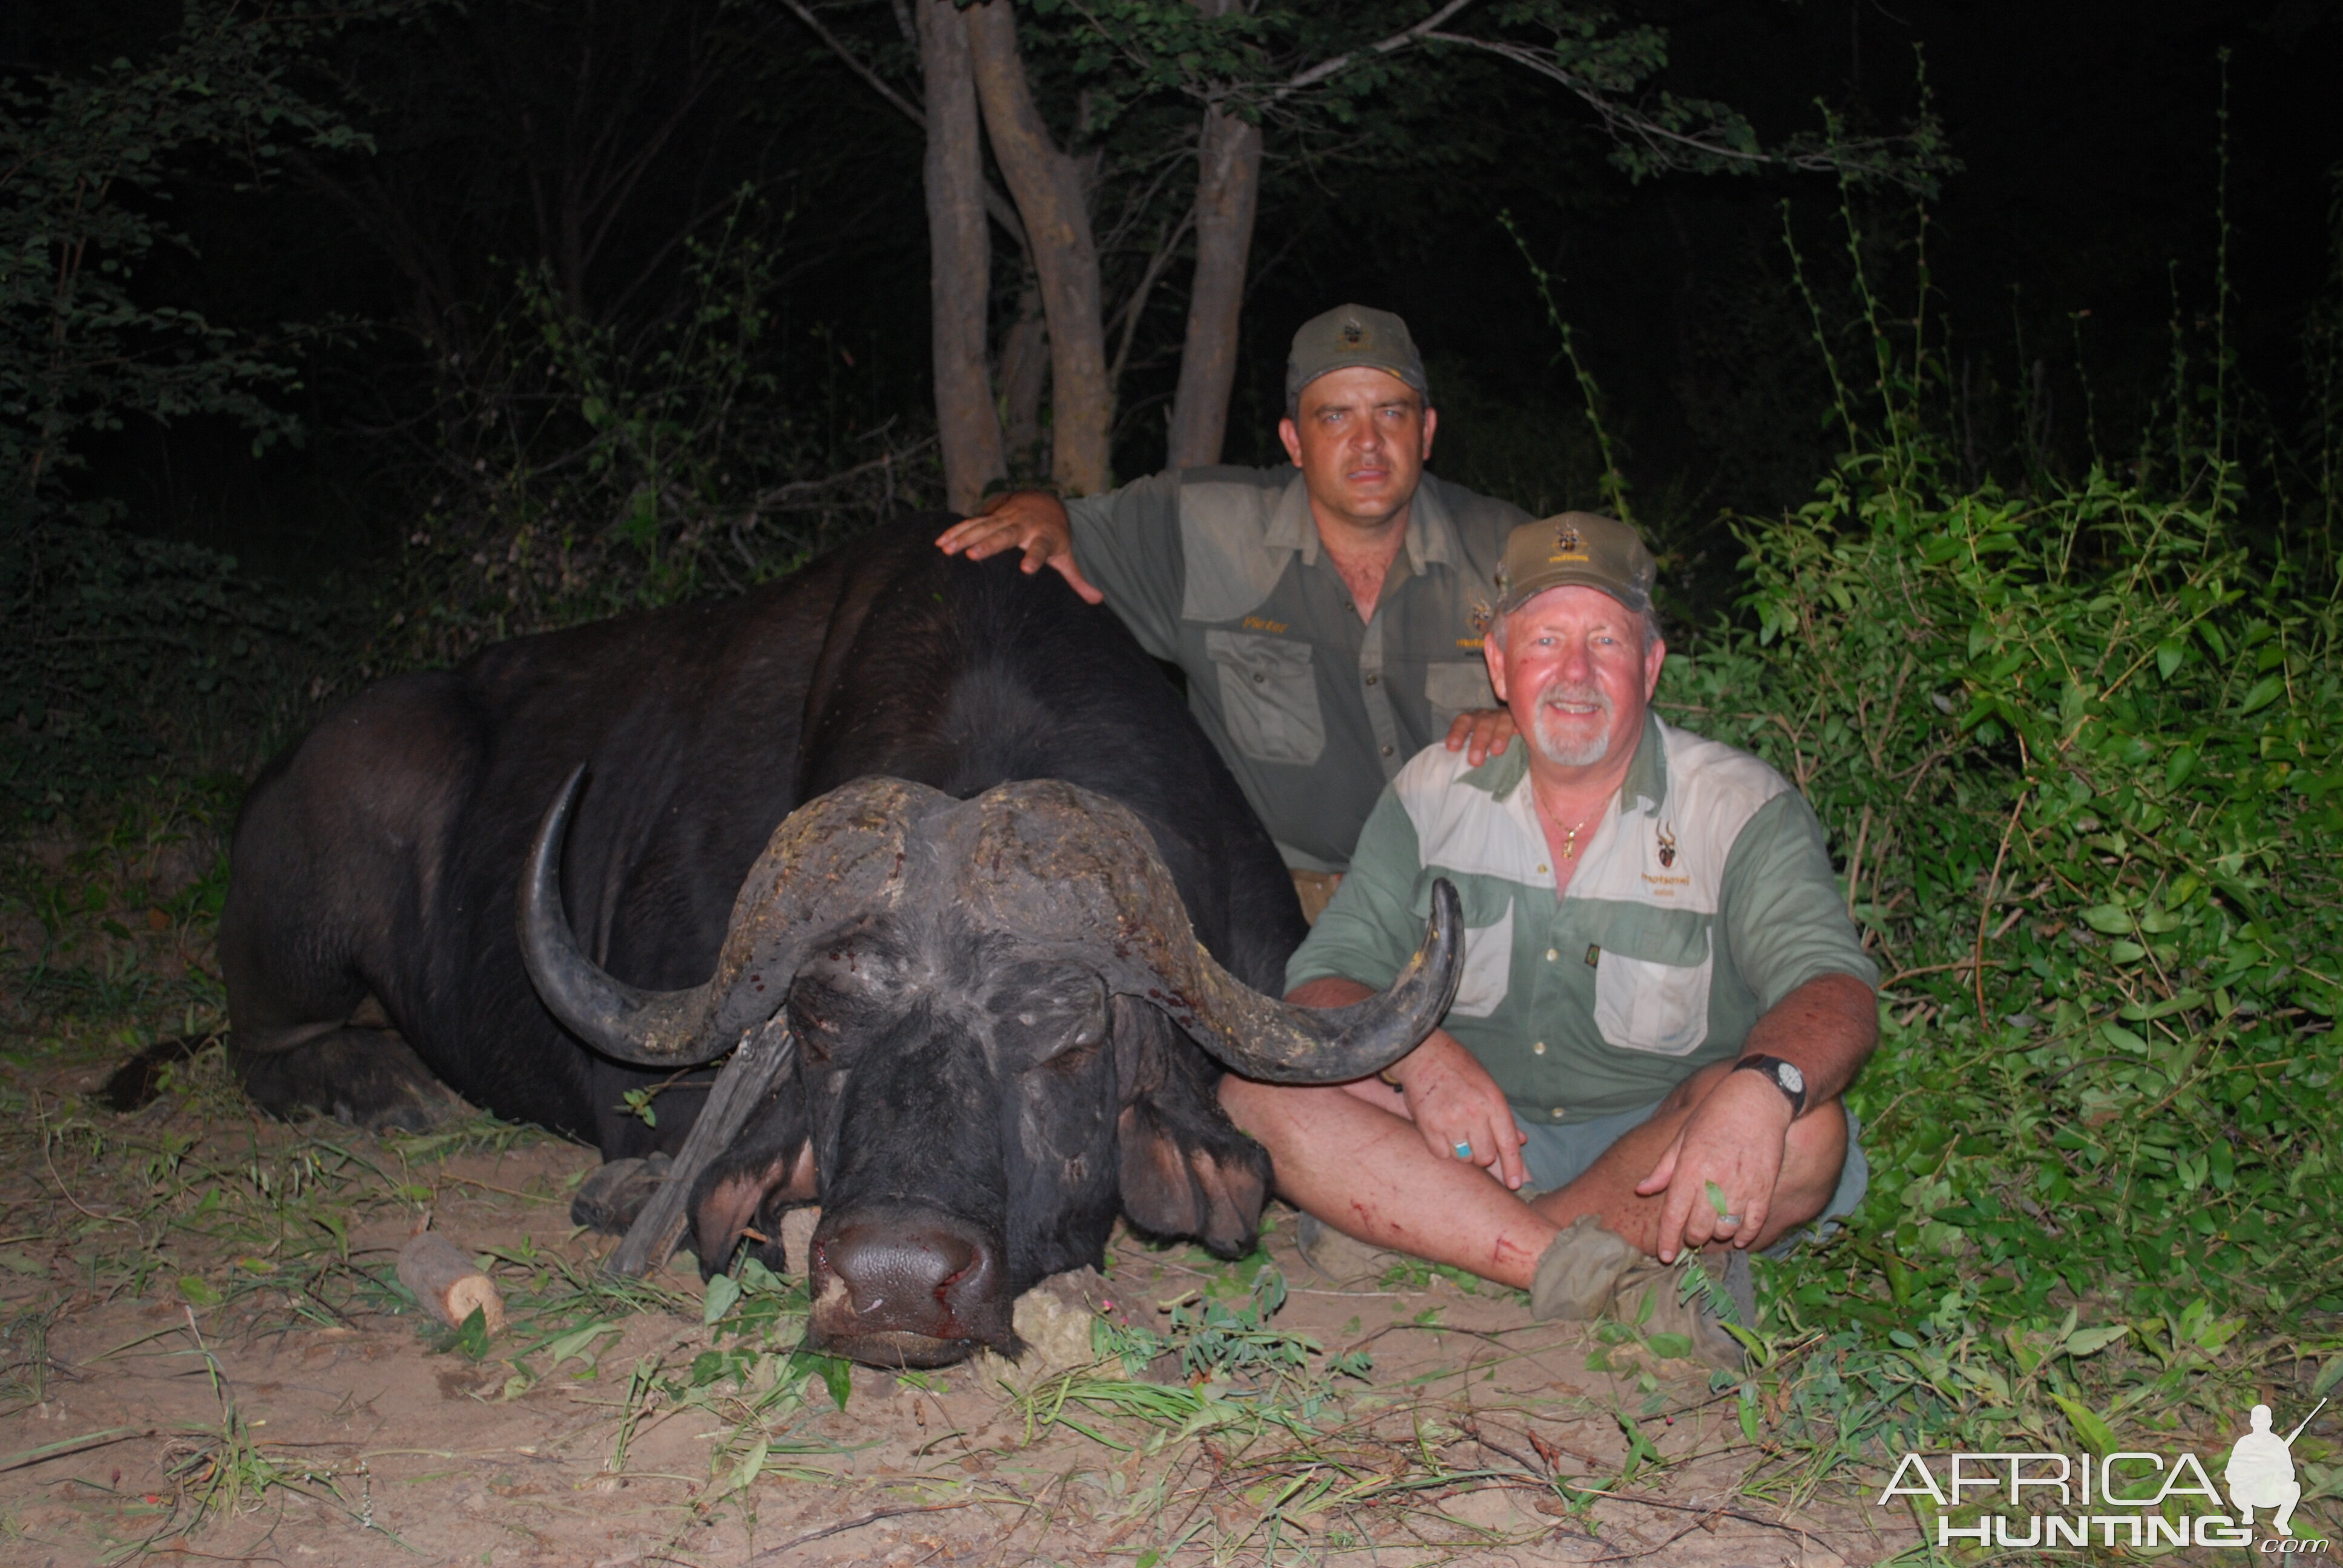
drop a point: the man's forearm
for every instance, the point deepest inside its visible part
(1827, 1027)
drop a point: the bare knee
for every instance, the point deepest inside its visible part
(1812, 1158)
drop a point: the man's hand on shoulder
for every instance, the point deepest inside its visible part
(1735, 1139)
(1034, 521)
(1485, 730)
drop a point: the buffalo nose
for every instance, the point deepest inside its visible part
(891, 1278)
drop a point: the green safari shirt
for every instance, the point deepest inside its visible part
(1220, 571)
(1704, 897)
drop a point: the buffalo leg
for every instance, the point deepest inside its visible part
(370, 1078)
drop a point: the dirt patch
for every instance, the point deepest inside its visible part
(206, 1350)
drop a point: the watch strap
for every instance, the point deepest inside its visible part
(1771, 1068)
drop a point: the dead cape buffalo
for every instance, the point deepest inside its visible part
(1012, 886)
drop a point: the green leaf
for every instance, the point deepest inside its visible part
(2168, 654)
(2091, 1342)
(2122, 1038)
(2328, 1376)
(1674, 1346)
(198, 1290)
(723, 1295)
(472, 1335)
(2095, 1433)
(2265, 692)
(2112, 920)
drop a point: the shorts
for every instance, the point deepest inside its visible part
(1558, 1155)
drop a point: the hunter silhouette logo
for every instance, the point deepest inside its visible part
(2133, 1498)
(2260, 1471)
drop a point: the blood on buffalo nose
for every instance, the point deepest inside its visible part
(905, 1284)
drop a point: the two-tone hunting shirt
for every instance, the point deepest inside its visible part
(1219, 571)
(1704, 897)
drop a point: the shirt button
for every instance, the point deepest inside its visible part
(1552, 954)
(1541, 870)
(1538, 1049)
(1557, 1113)
(1387, 750)
(1372, 678)
(1259, 679)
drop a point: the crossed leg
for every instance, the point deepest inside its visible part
(1350, 1155)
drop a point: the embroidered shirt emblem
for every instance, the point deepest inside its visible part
(1668, 847)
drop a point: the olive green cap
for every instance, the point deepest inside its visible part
(1581, 548)
(1350, 336)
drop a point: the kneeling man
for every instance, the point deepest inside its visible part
(1662, 995)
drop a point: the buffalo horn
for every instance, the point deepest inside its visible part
(1262, 1036)
(649, 1027)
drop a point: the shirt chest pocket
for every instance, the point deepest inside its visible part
(1655, 998)
(1269, 696)
(1454, 689)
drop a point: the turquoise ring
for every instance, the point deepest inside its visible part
(1464, 1152)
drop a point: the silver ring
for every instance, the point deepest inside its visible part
(1464, 1151)
(1728, 1218)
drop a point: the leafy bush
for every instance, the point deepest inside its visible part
(2078, 753)
(126, 656)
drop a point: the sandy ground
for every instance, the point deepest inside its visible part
(416, 1454)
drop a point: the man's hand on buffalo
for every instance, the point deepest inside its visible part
(1034, 521)
(1485, 730)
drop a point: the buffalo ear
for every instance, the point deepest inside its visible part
(1186, 1168)
(768, 1168)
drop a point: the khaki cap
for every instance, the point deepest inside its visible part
(1581, 548)
(1350, 336)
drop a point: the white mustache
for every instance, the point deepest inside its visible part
(1584, 693)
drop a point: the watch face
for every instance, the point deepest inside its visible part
(1787, 1075)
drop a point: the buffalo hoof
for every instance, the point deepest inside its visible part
(369, 1078)
(609, 1200)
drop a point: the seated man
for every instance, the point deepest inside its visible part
(1662, 996)
(1324, 613)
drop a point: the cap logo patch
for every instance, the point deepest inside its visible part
(1352, 332)
(1566, 538)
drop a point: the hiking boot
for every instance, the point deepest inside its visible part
(1578, 1271)
(1656, 1298)
(1344, 1260)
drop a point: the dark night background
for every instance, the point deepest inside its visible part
(2088, 134)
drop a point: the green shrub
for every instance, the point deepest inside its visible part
(2079, 755)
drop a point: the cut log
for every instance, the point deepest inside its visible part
(447, 1283)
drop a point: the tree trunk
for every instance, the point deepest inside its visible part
(1024, 373)
(960, 260)
(1228, 187)
(1048, 185)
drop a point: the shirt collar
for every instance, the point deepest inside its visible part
(1291, 526)
(1431, 529)
(1431, 532)
(1647, 774)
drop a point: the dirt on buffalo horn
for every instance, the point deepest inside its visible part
(1079, 870)
(839, 855)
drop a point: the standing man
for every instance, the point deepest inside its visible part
(1328, 615)
(1662, 999)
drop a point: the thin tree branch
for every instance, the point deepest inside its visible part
(997, 205)
(1334, 66)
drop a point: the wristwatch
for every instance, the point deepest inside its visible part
(1783, 1075)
